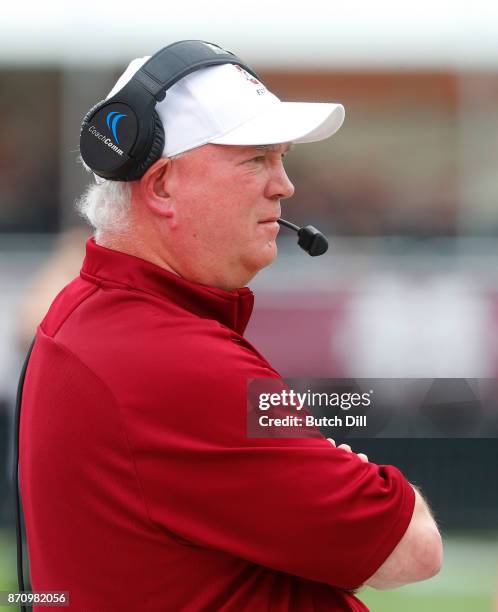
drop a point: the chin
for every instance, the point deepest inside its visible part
(274, 251)
(266, 256)
(260, 260)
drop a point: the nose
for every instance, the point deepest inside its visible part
(279, 185)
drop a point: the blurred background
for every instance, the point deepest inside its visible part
(406, 192)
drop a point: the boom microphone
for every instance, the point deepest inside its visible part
(309, 238)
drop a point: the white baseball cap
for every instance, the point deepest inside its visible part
(227, 105)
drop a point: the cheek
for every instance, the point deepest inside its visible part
(226, 204)
(210, 218)
(220, 210)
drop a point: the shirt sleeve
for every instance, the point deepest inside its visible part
(299, 506)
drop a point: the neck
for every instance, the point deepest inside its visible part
(136, 247)
(151, 248)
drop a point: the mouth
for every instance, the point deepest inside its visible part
(270, 227)
(270, 219)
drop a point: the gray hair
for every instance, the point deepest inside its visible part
(106, 205)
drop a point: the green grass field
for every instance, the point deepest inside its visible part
(467, 583)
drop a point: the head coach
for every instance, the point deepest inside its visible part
(141, 490)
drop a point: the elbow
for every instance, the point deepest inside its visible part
(427, 559)
(422, 560)
(431, 560)
(418, 555)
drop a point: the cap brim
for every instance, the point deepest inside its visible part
(287, 122)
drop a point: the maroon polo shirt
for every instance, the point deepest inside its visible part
(140, 488)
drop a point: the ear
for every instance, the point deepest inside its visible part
(153, 188)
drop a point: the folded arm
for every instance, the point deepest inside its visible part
(418, 555)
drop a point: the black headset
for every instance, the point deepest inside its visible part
(123, 136)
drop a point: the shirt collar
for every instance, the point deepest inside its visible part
(106, 266)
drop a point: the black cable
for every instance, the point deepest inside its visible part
(288, 224)
(17, 501)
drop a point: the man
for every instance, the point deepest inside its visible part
(141, 489)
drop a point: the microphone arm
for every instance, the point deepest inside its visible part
(309, 238)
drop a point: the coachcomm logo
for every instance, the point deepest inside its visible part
(111, 120)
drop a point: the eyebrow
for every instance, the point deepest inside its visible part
(275, 148)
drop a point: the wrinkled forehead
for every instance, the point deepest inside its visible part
(219, 151)
(218, 158)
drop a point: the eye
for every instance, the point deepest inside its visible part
(258, 159)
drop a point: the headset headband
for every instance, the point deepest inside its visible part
(141, 136)
(175, 61)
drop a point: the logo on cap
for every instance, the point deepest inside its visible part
(112, 122)
(248, 76)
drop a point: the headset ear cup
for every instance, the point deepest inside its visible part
(86, 121)
(155, 151)
(91, 112)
